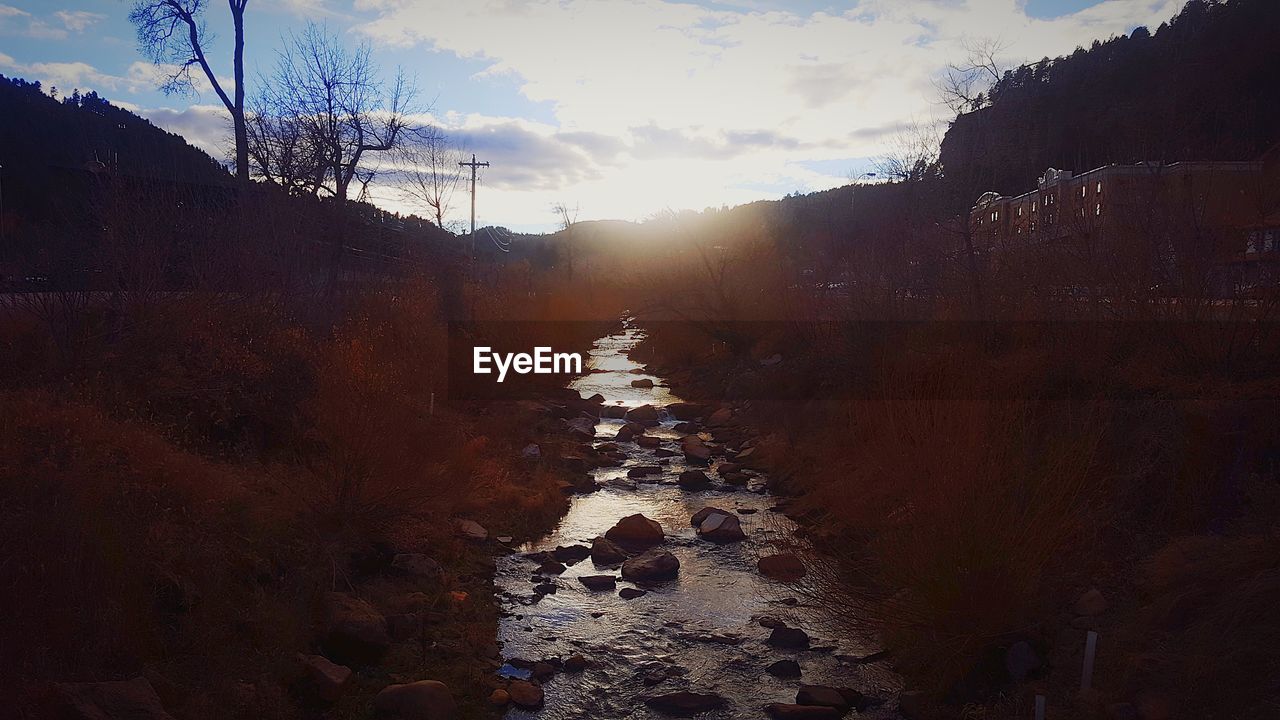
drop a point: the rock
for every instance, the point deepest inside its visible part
(605, 552)
(696, 452)
(631, 593)
(1091, 603)
(654, 564)
(648, 441)
(784, 669)
(596, 399)
(531, 452)
(770, 622)
(504, 539)
(545, 588)
(699, 517)
(640, 471)
(635, 532)
(783, 566)
(353, 629)
(581, 427)
(627, 432)
(571, 553)
(684, 703)
(421, 700)
(645, 415)
(525, 694)
(736, 479)
(598, 582)
(499, 697)
(721, 527)
(693, 480)
(664, 453)
(613, 411)
(472, 530)
(642, 383)
(720, 417)
(416, 565)
(550, 567)
(684, 410)
(788, 637)
(784, 711)
(543, 671)
(1021, 660)
(728, 467)
(113, 700)
(685, 427)
(841, 699)
(575, 664)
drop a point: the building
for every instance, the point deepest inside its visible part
(1219, 218)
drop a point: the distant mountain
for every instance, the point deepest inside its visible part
(1203, 86)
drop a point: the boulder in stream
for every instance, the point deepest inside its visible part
(721, 528)
(694, 480)
(783, 566)
(784, 669)
(605, 552)
(685, 410)
(684, 703)
(654, 564)
(643, 383)
(635, 532)
(789, 637)
(645, 415)
(525, 694)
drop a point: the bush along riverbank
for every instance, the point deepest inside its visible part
(234, 510)
(991, 498)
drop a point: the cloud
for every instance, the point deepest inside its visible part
(207, 127)
(78, 20)
(750, 93)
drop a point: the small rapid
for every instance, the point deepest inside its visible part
(700, 632)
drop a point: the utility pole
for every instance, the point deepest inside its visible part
(473, 165)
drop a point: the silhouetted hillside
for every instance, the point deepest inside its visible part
(1201, 87)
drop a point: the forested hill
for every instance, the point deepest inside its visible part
(38, 132)
(1203, 86)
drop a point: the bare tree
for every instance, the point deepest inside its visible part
(324, 112)
(433, 173)
(172, 34)
(965, 84)
(912, 153)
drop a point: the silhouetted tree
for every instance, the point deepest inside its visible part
(172, 34)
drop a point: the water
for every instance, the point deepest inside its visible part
(683, 632)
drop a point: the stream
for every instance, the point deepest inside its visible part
(699, 632)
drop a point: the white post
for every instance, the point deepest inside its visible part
(1039, 707)
(1090, 649)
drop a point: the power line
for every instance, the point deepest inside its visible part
(473, 165)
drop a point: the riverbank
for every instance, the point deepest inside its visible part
(990, 505)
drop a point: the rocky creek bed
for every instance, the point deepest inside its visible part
(630, 609)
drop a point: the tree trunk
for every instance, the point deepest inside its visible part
(237, 112)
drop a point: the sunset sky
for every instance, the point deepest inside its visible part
(621, 108)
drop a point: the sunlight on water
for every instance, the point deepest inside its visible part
(668, 632)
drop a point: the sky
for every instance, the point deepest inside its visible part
(619, 108)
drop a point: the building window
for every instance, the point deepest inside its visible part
(1019, 211)
(1097, 209)
(1099, 190)
(995, 215)
(1083, 190)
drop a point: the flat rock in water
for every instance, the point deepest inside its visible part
(721, 528)
(598, 582)
(642, 383)
(783, 566)
(684, 703)
(654, 564)
(645, 415)
(839, 698)
(693, 480)
(571, 553)
(631, 593)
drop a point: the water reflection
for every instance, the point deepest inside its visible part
(698, 632)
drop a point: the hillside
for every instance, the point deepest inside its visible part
(1199, 87)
